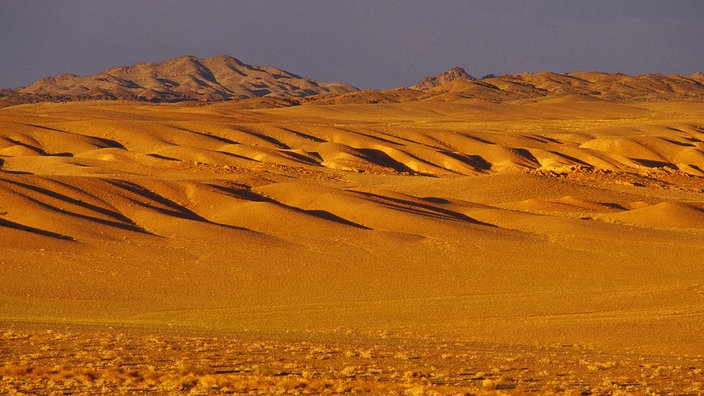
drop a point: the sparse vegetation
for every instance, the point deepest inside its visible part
(99, 361)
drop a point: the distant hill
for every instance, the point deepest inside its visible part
(456, 73)
(223, 78)
(457, 85)
(605, 86)
(184, 78)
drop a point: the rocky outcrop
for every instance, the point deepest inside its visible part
(454, 74)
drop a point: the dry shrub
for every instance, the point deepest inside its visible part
(9, 370)
(186, 367)
(209, 381)
(261, 371)
(188, 382)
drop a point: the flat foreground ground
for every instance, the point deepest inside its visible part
(82, 360)
(452, 247)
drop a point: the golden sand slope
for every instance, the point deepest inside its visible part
(559, 221)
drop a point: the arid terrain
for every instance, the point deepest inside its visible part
(374, 241)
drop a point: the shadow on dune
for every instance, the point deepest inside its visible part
(373, 137)
(206, 135)
(305, 135)
(475, 161)
(269, 139)
(163, 157)
(380, 158)
(12, 172)
(245, 193)
(436, 200)
(104, 142)
(697, 168)
(44, 127)
(543, 139)
(300, 158)
(477, 139)
(572, 159)
(36, 231)
(120, 221)
(27, 146)
(612, 205)
(654, 164)
(525, 154)
(408, 206)
(168, 207)
(675, 142)
(109, 143)
(325, 215)
(421, 209)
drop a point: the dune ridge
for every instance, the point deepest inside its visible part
(316, 144)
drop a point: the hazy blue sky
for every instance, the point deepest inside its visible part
(369, 43)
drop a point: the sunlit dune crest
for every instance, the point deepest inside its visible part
(546, 220)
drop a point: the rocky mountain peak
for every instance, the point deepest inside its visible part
(456, 73)
(185, 78)
(697, 76)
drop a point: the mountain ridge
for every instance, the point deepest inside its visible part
(185, 78)
(225, 78)
(456, 73)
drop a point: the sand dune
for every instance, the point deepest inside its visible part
(559, 221)
(664, 215)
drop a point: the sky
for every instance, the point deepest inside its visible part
(368, 43)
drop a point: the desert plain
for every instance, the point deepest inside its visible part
(546, 246)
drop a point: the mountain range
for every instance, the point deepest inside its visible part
(456, 85)
(185, 78)
(223, 78)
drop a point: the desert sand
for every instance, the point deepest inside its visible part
(543, 245)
